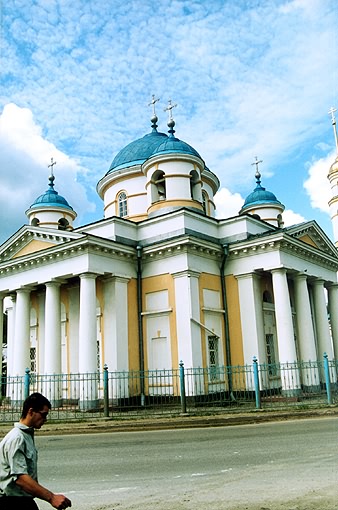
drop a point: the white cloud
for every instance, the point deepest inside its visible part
(317, 185)
(227, 204)
(24, 158)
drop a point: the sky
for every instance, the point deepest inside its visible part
(249, 78)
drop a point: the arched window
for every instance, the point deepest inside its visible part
(122, 204)
(267, 297)
(205, 202)
(280, 221)
(35, 222)
(158, 186)
(63, 224)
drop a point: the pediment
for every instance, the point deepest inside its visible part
(310, 233)
(30, 240)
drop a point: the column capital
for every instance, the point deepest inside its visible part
(84, 276)
(53, 283)
(281, 270)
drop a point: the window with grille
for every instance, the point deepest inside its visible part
(123, 204)
(33, 360)
(213, 357)
(270, 354)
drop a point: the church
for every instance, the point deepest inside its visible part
(160, 280)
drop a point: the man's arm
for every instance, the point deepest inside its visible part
(29, 485)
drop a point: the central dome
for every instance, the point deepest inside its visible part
(138, 151)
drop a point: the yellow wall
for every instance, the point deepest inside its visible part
(133, 337)
(32, 247)
(307, 239)
(156, 284)
(235, 329)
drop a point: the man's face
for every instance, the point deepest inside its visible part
(38, 418)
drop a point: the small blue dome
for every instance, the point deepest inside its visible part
(138, 151)
(51, 198)
(260, 196)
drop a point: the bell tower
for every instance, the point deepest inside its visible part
(333, 179)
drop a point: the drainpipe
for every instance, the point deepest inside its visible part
(226, 320)
(139, 320)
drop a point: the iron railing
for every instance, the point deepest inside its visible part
(173, 392)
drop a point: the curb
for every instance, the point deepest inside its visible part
(102, 425)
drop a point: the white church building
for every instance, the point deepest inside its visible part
(160, 279)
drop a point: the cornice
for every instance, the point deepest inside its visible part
(79, 247)
(287, 245)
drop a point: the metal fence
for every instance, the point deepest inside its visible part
(195, 391)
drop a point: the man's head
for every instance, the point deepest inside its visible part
(35, 410)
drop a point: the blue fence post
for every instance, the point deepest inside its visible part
(256, 383)
(27, 379)
(327, 379)
(182, 384)
(105, 391)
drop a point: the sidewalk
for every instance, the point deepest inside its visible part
(101, 425)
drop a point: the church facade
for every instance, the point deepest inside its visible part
(160, 280)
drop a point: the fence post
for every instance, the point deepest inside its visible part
(26, 383)
(256, 383)
(182, 383)
(105, 391)
(327, 379)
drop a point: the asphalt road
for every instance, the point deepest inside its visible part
(290, 465)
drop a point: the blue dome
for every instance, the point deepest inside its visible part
(260, 196)
(173, 144)
(137, 152)
(51, 198)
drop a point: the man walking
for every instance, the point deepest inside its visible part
(18, 461)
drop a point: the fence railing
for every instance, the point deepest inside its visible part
(172, 392)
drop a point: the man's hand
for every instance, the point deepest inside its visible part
(60, 501)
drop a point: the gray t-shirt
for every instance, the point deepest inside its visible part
(18, 456)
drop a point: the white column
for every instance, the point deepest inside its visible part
(115, 323)
(11, 305)
(52, 329)
(53, 343)
(189, 341)
(188, 307)
(306, 335)
(21, 348)
(88, 341)
(285, 332)
(1, 337)
(22, 332)
(333, 308)
(252, 322)
(322, 322)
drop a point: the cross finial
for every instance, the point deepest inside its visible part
(333, 119)
(257, 174)
(153, 102)
(52, 163)
(256, 162)
(169, 109)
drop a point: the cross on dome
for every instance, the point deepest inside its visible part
(51, 177)
(257, 174)
(171, 122)
(154, 118)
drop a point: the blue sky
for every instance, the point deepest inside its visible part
(249, 77)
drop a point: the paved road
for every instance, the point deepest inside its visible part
(289, 465)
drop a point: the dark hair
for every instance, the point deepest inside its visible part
(35, 401)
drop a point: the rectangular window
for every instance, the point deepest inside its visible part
(270, 354)
(213, 357)
(33, 360)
